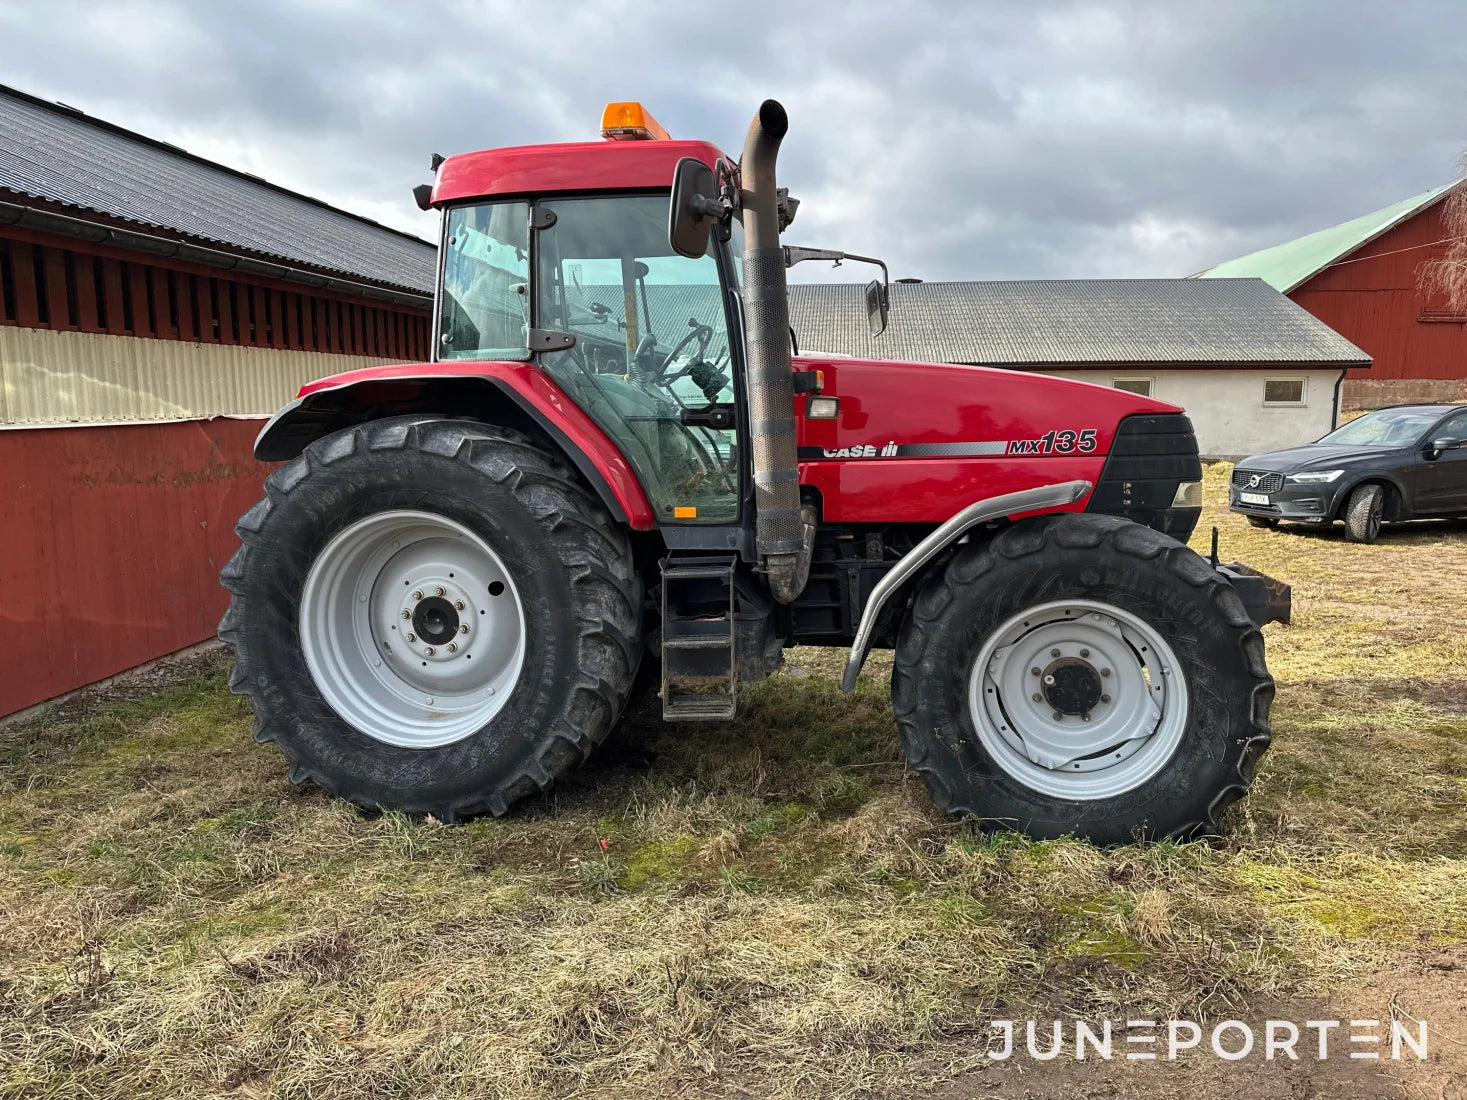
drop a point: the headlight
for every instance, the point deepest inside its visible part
(1315, 476)
(1189, 495)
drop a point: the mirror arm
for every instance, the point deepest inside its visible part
(794, 254)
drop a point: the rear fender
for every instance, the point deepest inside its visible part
(513, 395)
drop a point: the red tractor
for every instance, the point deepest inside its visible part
(614, 465)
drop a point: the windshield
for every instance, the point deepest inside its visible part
(1384, 428)
(485, 310)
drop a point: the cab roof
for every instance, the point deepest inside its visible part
(556, 169)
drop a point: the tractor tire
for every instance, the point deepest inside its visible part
(369, 687)
(1363, 514)
(1082, 675)
(1265, 522)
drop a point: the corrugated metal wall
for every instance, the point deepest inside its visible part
(112, 535)
(49, 377)
(1374, 301)
(113, 541)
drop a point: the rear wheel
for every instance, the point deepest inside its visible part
(1262, 521)
(431, 616)
(1082, 674)
(1364, 513)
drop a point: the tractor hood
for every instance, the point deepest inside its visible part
(894, 410)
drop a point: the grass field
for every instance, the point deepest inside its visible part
(769, 907)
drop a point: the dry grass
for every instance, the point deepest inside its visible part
(777, 908)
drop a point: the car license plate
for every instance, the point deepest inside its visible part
(1253, 498)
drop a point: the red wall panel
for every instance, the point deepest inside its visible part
(1373, 300)
(114, 537)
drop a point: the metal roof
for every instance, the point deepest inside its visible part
(54, 152)
(1073, 322)
(1285, 266)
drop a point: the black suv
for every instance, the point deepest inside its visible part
(1405, 462)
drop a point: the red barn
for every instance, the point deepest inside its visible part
(153, 306)
(1362, 278)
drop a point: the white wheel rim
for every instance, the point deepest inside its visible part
(1075, 654)
(412, 629)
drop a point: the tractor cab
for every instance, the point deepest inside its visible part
(646, 341)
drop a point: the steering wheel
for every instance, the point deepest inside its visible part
(703, 334)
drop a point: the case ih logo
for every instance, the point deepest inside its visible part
(864, 451)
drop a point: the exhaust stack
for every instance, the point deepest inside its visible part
(780, 529)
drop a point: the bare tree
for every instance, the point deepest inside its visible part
(1447, 274)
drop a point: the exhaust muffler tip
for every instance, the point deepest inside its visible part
(773, 119)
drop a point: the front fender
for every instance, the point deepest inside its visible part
(1352, 481)
(511, 394)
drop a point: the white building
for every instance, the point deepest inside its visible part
(1253, 370)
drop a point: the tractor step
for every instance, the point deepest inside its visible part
(697, 641)
(700, 708)
(699, 645)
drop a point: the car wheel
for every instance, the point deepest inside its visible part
(1267, 522)
(1364, 512)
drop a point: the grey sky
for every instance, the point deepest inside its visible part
(958, 140)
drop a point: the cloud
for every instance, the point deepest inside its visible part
(1003, 140)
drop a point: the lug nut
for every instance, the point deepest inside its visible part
(1038, 698)
(1085, 717)
(1058, 716)
(458, 605)
(412, 637)
(439, 590)
(1054, 653)
(1105, 672)
(1105, 698)
(1084, 653)
(452, 647)
(1034, 671)
(463, 628)
(430, 651)
(406, 614)
(417, 595)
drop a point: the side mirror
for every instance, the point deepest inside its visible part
(1447, 443)
(876, 306)
(694, 208)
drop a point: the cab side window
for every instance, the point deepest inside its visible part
(652, 342)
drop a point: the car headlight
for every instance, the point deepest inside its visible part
(1315, 476)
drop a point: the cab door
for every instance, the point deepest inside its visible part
(1441, 477)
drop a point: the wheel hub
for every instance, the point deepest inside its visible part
(412, 628)
(1072, 686)
(1078, 699)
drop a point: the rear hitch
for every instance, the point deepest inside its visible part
(1267, 599)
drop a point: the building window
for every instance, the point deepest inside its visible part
(1133, 385)
(1283, 391)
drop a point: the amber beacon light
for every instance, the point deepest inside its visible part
(630, 122)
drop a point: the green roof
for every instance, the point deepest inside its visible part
(1285, 266)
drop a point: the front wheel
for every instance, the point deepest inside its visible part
(1364, 513)
(433, 616)
(1082, 674)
